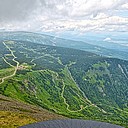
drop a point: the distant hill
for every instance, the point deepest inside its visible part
(54, 41)
(69, 82)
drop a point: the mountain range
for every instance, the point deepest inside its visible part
(75, 82)
(95, 46)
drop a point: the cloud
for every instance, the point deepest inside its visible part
(107, 39)
(105, 24)
(63, 15)
(116, 41)
(16, 10)
(125, 6)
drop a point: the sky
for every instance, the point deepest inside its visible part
(64, 15)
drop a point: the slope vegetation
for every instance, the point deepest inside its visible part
(14, 113)
(73, 83)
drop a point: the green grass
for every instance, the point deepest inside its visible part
(54, 81)
(14, 119)
(6, 72)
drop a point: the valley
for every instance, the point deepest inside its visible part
(68, 82)
(14, 113)
(109, 50)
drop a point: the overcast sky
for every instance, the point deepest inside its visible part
(64, 15)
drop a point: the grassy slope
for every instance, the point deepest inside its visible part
(48, 94)
(14, 113)
(13, 119)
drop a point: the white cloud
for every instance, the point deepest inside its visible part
(62, 15)
(121, 42)
(125, 6)
(106, 23)
(107, 39)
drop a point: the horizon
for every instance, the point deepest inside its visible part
(82, 20)
(64, 59)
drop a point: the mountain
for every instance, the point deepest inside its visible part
(109, 50)
(69, 82)
(14, 113)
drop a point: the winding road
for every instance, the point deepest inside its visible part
(63, 88)
(15, 67)
(81, 107)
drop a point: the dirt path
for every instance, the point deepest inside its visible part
(15, 67)
(91, 104)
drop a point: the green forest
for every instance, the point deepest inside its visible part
(69, 82)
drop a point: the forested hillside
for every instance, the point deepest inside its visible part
(111, 51)
(70, 82)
